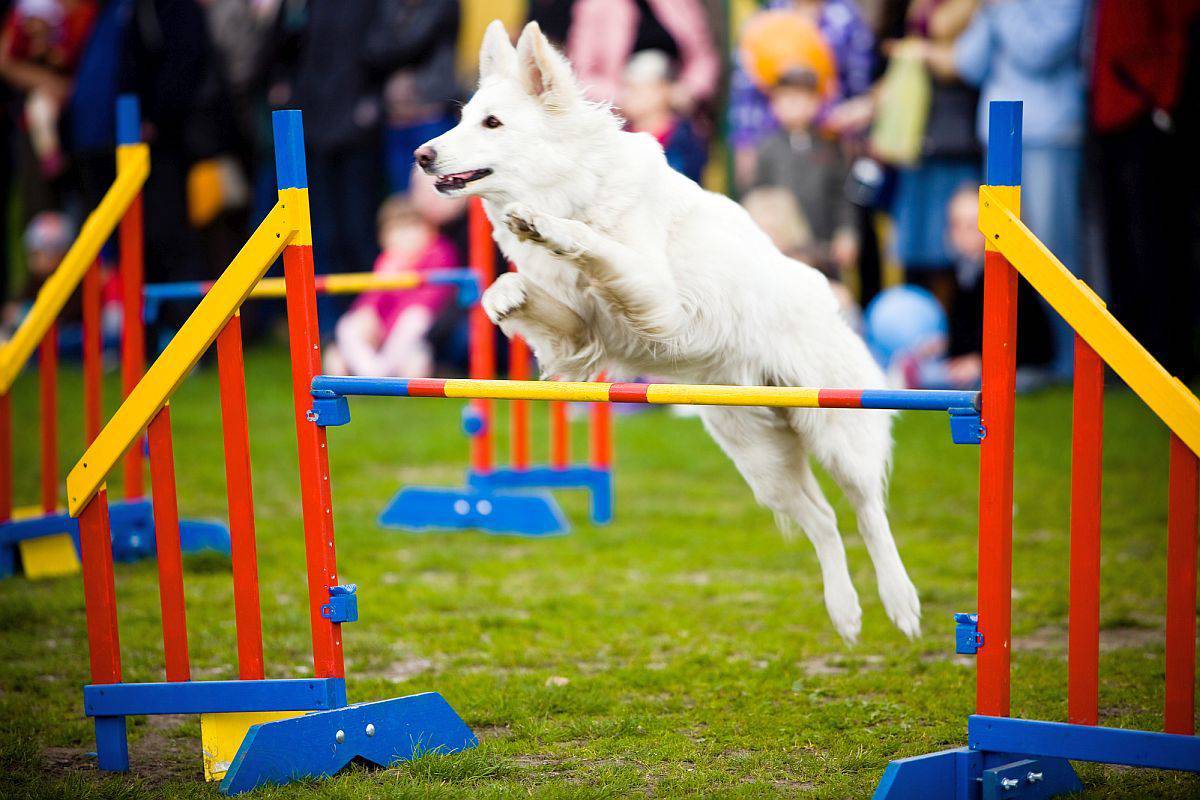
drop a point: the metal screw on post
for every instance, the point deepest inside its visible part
(370, 730)
(1034, 777)
(339, 737)
(1006, 784)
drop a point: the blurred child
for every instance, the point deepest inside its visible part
(47, 239)
(810, 165)
(384, 332)
(39, 50)
(646, 104)
(774, 209)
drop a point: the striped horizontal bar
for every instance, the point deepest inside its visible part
(211, 697)
(341, 283)
(653, 393)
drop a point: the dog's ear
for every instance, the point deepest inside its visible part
(497, 56)
(544, 73)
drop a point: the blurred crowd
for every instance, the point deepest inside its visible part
(851, 130)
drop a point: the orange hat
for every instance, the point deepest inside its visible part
(775, 42)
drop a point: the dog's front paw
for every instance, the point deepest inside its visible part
(556, 235)
(504, 297)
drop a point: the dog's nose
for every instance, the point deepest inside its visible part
(425, 156)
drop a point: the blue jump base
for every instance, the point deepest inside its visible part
(420, 509)
(314, 745)
(1021, 759)
(132, 524)
(506, 502)
(322, 743)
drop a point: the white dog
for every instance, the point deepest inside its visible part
(626, 266)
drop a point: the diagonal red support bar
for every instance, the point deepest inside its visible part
(93, 411)
(99, 590)
(48, 401)
(133, 333)
(235, 427)
(1083, 631)
(166, 538)
(1180, 716)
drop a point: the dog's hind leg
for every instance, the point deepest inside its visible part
(856, 453)
(641, 296)
(769, 455)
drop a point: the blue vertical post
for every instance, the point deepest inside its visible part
(1004, 143)
(112, 744)
(129, 119)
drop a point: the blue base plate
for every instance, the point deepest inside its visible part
(322, 743)
(422, 509)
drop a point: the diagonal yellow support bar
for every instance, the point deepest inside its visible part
(345, 283)
(133, 162)
(1166, 396)
(277, 231)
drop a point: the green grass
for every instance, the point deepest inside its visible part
(681, 651)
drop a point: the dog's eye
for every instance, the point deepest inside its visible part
(491, 122)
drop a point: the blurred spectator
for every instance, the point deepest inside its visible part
(1147, 179)
(605, 33)
(1031, 50)
(46, 240)
(384, 332)
(948, 156)
(323, 56)
(852, 43)
(40, 48)
(166, 60)
(420, 37)
(801, 158)
(775, 210)
(646, 106)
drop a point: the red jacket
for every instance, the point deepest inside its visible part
(1141, 48)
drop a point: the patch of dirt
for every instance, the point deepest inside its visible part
(407, 668)
(1053, 639)
(155, 758)
(840, 665)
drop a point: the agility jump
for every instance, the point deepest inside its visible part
(43, 541)
(1004, 757)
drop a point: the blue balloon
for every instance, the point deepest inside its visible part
(901, 319)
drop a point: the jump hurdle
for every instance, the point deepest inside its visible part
(254, 728)
(508, 499)
(43, 540)
(1006, 757)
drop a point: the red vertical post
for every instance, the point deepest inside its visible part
(560, 436)
(1180, 716)
(93, 413)
(133, 335)
(48, 400)
(601, 443)
(304, 343)
(99, 590)
(166, 538)
(518, 370)
(1083, 630)
(482, 355)
(996, 449)
(235, 427)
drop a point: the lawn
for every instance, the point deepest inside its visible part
(683, 650)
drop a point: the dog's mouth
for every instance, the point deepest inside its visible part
(458, 180)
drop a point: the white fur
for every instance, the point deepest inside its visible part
(630, 268)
